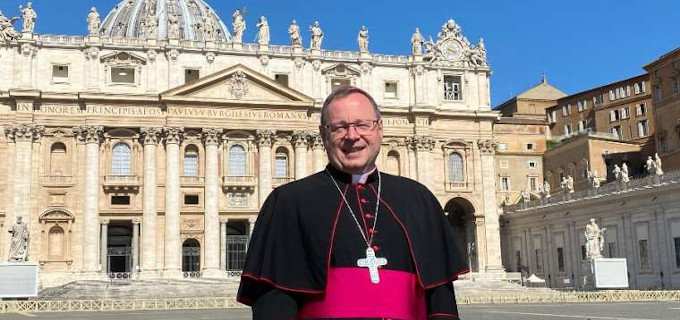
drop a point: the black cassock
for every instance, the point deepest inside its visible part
(305, 239)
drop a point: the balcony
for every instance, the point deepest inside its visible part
(281, 181)
(57, 181)
(191, 181)
(121, 184)
(452, 186)
(239, 183)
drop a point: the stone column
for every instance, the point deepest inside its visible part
(493, 237)
(211, 139)
(173, 255)
(251, 226)
(264, 180)
(92, 136)
(135, 245)
(300, 141)
(424, 146)
(150, 138)
(411, 146)
(319, 153)
(104, 249)
(23, 136)
(223, 244)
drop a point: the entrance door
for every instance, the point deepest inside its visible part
(119, 250)
(237, 243)
(461, 217)
(191, 258)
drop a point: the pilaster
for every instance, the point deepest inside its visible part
(493, 239)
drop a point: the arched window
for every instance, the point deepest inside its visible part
(392, 165)
(281, 163)
(121, 158)
(56, 243)
(191, 161)
(237, 161)
(58, 159)
(456, 173)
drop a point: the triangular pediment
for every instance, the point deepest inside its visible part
(237, 84)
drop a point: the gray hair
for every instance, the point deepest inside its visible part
(343, 92)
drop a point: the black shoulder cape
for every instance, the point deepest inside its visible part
(292, 240)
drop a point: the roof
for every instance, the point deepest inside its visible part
(542, 91)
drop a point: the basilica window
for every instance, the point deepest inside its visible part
(456, 173)
(281, 163)
(191, 75)
(191, 161)
(643, 128)
(676, 241)
(120, 160)
(643, 246)
(123, 75)
(390, 90)
(60, 74)
(392, 165)
(58, 159)
(452, 88)
(237, 161)
(337, 83)
(281, 79)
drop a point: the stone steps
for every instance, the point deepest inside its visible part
(198, 288)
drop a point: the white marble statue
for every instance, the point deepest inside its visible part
(594, 240)
(650, 165)
(18, 248)
(149, 6)
(151, 26)
(417, 42)
(239, 26)
(7, 31)
(546, 189)
(567, 184)
(617, 172)
(263, 31)
(625, 177)
(28, 16)
(294, 32)
(594, 179)
(657, 161)
(477, 56)
(93, 22)
(362, 39)
(526, 196)
(317, 36)
(209, 27)
(173, 26)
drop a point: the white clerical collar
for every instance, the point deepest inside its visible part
(362, 177)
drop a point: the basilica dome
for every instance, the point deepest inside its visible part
(165, 19)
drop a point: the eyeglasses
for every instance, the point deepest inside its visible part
(363, 127)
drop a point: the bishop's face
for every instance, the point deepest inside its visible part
(350, 148)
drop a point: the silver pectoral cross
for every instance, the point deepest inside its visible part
(372, 263)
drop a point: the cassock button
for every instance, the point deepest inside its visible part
(372, 231)
(364, 201)
(368, 216)
(375, 248)
(360, 186)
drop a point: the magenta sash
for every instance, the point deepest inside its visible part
(350, 294)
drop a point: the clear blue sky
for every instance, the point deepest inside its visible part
(577, 44)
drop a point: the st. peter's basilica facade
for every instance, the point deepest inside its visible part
(148, 146)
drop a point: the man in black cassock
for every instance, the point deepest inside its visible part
(351, 242)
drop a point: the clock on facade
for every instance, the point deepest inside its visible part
(451, 50)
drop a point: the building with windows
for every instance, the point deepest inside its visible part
(665, 78)
(148, 146)
(618, 123)
(521, 136)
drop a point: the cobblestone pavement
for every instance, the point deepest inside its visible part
(610, 311)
